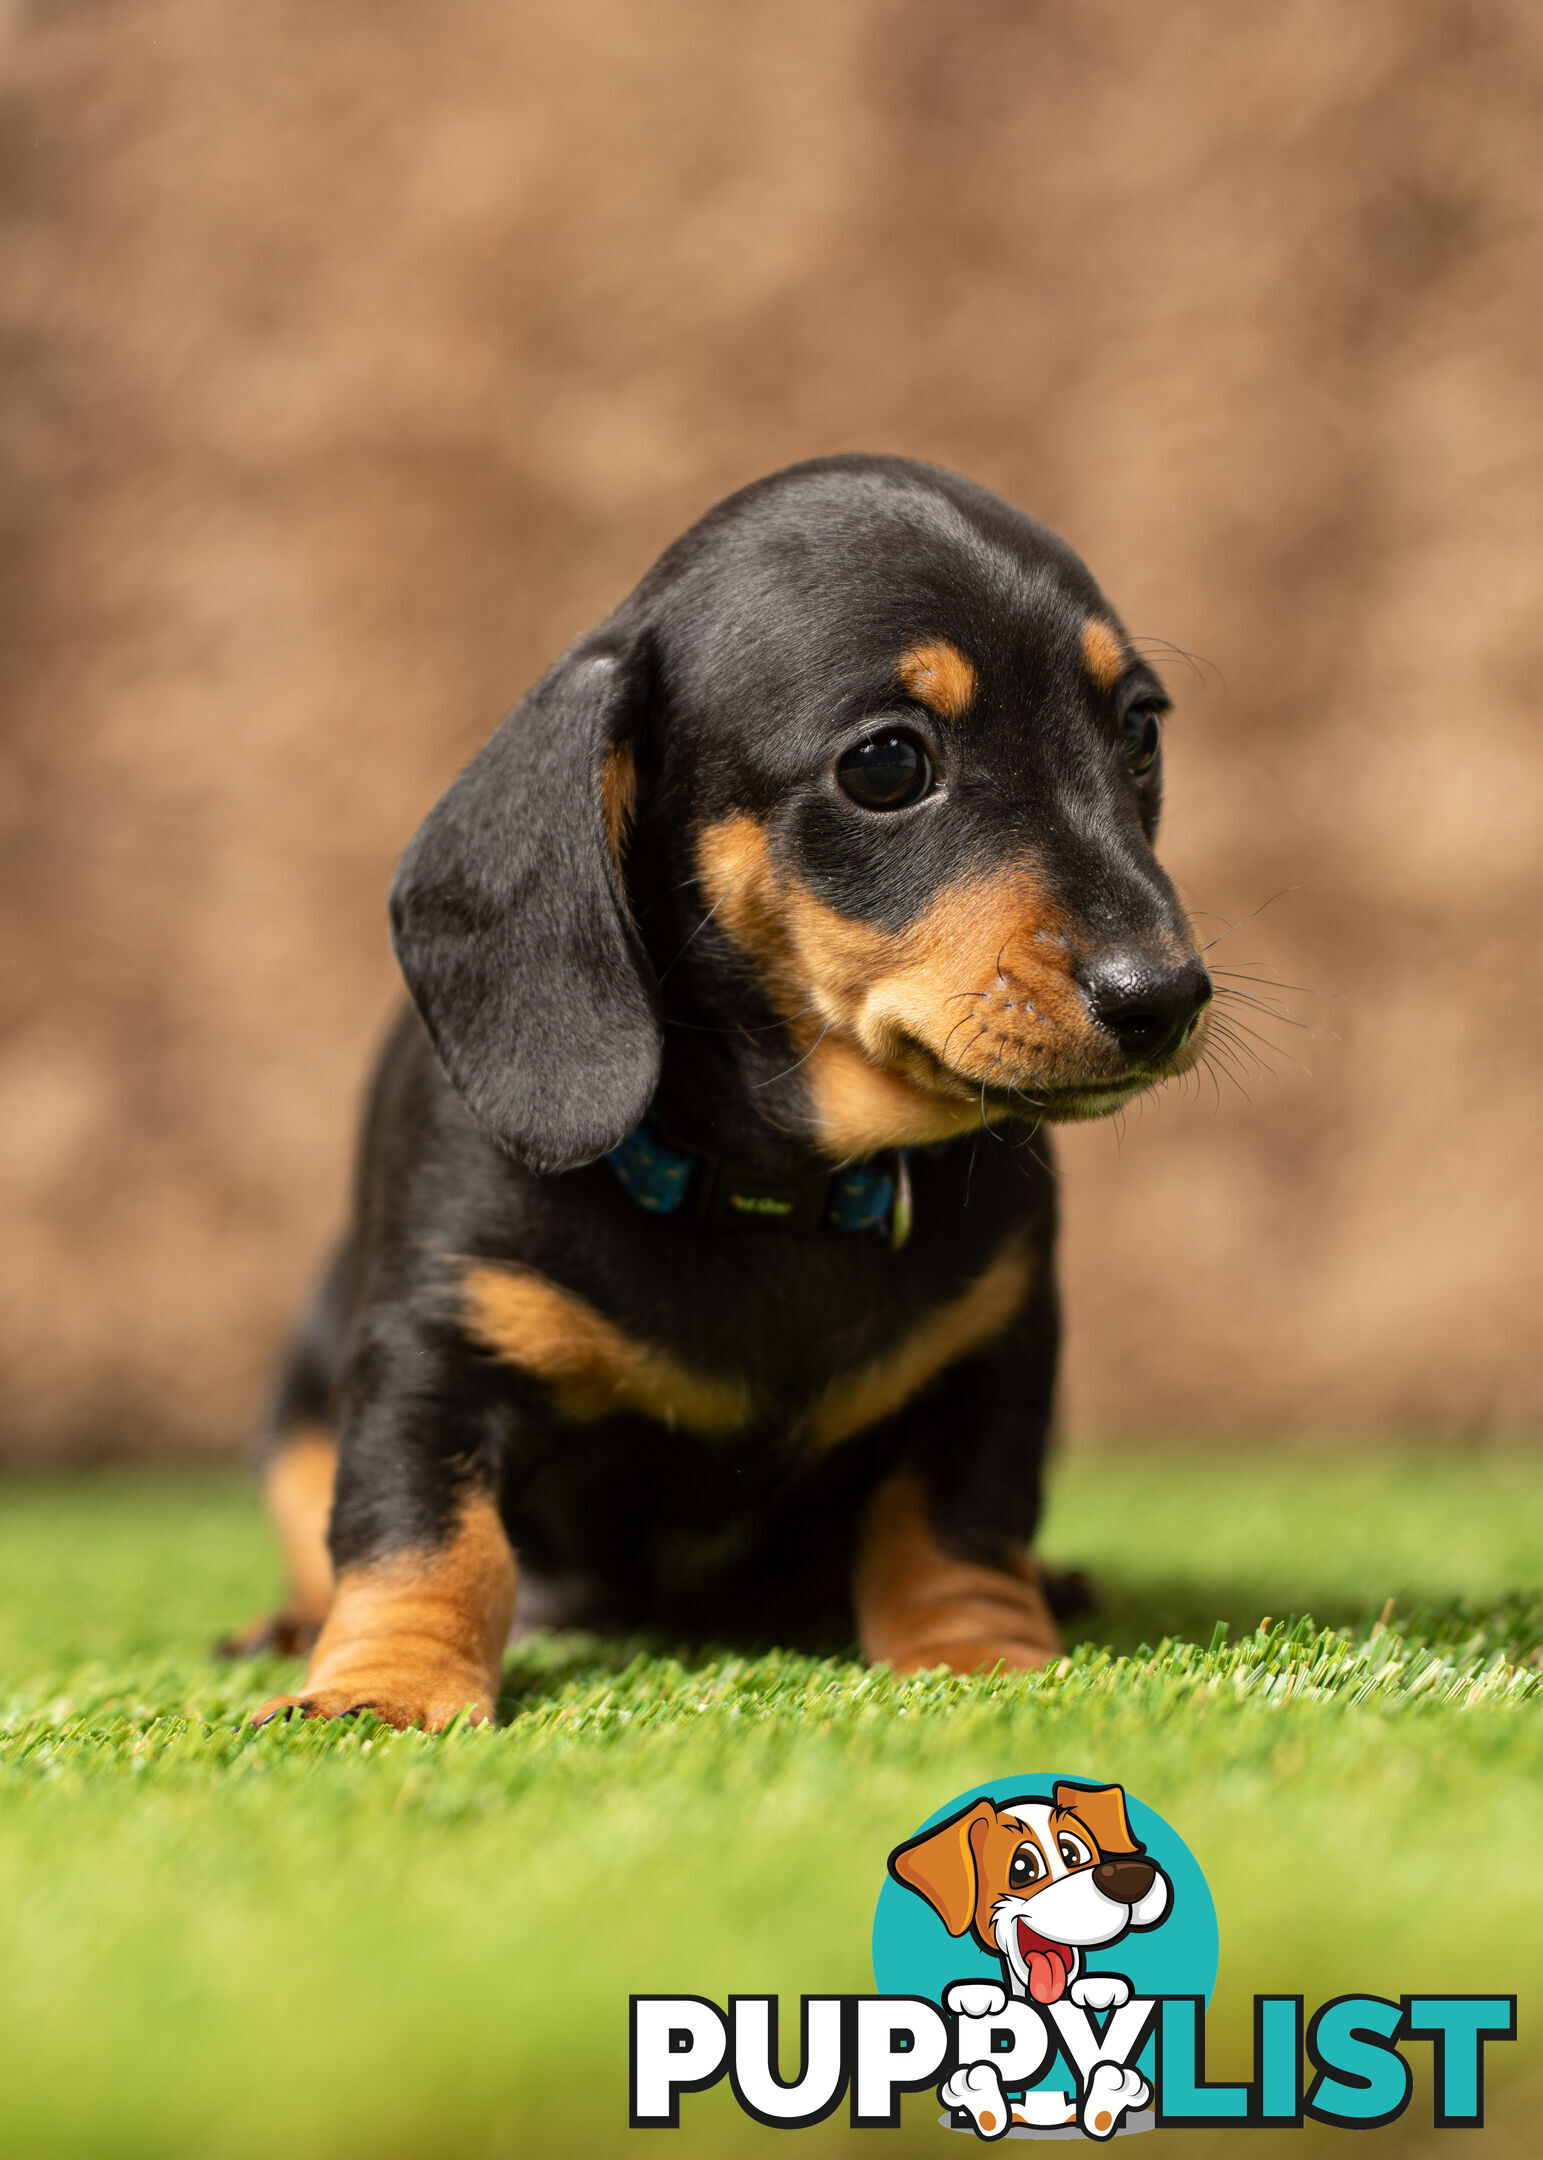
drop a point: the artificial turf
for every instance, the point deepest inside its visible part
(336, 1940)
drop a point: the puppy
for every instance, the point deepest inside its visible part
(1037, 1883)
(703, 1254)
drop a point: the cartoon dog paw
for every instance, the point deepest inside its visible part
(1111, 2092)
(978, 2090)
(1100, 1991)
(975, 1998)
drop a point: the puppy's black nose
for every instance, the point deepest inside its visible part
(1126, 1881)
(1148, 1007)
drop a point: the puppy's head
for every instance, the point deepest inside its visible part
(1038, 1882)
(890, 771)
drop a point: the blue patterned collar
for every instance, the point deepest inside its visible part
(663, 1179)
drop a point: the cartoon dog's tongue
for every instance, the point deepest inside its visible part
(1049, 1964)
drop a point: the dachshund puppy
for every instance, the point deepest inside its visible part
(702, 1271)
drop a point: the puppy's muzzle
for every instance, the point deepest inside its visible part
(1126, 1881)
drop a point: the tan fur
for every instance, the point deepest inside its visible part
(918, 1606)
(938, 676)
(978, 990)
(859, 1107)
(297, 1486)
(418, 1636)
(592, 1367)
(967, 1322)
(618, 798)
(1103, 653)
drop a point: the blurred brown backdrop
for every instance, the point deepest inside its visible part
(358, 356)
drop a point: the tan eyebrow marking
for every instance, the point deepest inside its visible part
(938, 676)
(1103, 652)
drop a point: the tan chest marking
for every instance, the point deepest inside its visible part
(968, 1322)
(593, 1368)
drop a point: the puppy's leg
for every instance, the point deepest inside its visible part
(298, 1478)
(416, 1635)
(424, 1577)
(918, 1605)
(300, 1465)
(943, 1574)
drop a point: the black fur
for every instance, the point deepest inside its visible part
(563, 1000)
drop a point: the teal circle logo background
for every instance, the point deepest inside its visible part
(914, 1954)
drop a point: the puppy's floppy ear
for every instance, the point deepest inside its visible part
(1101, 1809)
(941, 1866)
(512, 928)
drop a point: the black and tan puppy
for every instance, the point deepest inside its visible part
(702, 1270)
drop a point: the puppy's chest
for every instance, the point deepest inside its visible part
(812, 1343)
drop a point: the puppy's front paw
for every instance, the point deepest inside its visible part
(404, 1699)
(977, 2089)
(417, 1637)
(982, 1655)
(1112, 2092)
(975, 1998)
(919, 1605)
(1100, 1991)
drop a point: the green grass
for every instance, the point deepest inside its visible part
(340, 1940)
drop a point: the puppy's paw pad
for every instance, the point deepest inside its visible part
(1100, 1991)
(975, 1998)
(1112, 2091)
(977, 2089)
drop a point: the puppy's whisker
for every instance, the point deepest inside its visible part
(1243, 919)
(1267, 1010)
(1235, 1044)
(1218, 1060)
(809, 1053)
(696, 933)
(1200, 667)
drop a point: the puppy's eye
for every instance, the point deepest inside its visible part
(1028, 1866)
(1142, 736)
(887, 772)
(1073, 1851)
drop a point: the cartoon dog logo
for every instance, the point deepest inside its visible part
(1038, 1883)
